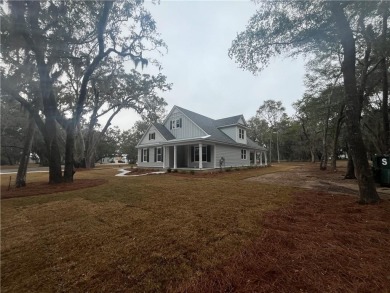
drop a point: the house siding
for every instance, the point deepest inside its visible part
(158, 137)
(232, 132)
(232, 156)
(239, 140)
(188, 129)
(204, 163)
(151, 163)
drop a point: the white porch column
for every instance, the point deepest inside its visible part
(215, 156)
(255, 158)
(200, 156)
(261, 158)
(175, 157)
(164, 157)
(265, 158)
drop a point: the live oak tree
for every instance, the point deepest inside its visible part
(110, 94)
(302, 27)
(53, 35)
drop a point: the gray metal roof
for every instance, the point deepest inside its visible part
(210, 126)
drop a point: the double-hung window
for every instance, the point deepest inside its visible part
(241, 133)
(145, 155)
(152, 135)
(206, 153)
(158, 154)
(176, 123)
(243, 154)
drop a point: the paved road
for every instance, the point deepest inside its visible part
(29, 170)
(46, 169)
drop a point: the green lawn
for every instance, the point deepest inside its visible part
(134, 234)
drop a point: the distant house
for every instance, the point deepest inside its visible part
(190, 140)
(114, 159)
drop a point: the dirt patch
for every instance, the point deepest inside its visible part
(38, 188)
(319, 243)
(311, 177)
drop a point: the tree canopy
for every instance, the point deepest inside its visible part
(354, 32)
(54, 52)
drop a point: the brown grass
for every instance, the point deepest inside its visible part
(318, 243)
(195, 233)
(131, 234)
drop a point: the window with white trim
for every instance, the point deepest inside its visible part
(241, 133)
(159, 155)
(206, 153)
(145, 155)
(152, 135)
(243, 154)
(176, 123)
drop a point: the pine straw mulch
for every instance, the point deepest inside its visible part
(319, 243)
(39, 188)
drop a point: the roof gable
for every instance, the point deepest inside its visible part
(161, 134)
(199, 126)
(189, 124)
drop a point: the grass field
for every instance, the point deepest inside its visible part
(132, 233)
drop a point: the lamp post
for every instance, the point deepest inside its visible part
(277, 144)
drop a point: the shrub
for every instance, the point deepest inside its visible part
(169, 170)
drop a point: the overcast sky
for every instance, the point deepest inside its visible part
(205, 80)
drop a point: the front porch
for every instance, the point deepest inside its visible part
(210, 156)
(190, 157)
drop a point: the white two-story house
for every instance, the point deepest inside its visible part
(190, 140)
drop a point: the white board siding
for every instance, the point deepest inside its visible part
(239, 140)
(188, 129)
(232, 156)
(158, 137)
(233, 133)
(151, 163)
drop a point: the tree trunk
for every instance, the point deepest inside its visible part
(385, 85)
(37, 44)
(93, 138)
(336, 138)
(69, 151)
(22, 170)
(324, 157)
(357, 149)
(312, 155)
(54, 155)
(350, 168)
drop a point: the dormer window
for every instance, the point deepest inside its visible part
(241, 133)
(176, 123)
(152, 135)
